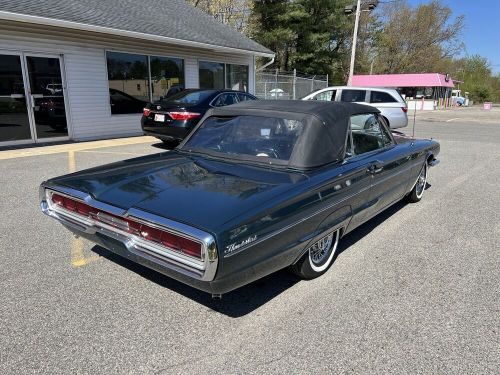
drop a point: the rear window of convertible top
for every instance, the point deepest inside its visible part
(253, 136)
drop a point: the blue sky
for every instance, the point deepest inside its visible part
(482, 26)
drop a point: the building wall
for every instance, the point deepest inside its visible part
(84, 61)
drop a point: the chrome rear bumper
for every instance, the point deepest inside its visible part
(126, 244)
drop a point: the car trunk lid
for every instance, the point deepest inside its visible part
(197, 191)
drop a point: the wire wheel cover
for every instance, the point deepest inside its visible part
(422, 180)
(319, 251)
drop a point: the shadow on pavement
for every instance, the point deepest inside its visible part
(166, 145)
(358, 233)
(246, 299)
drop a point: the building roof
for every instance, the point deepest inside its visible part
(402, 80)
(168, 21)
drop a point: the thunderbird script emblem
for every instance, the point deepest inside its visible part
(238, 245)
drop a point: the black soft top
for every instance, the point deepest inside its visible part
(319, 108)
(326, 124)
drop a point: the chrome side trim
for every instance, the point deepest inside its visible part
(281, 230)
(203, 269)
(289, 226)
(395, 174)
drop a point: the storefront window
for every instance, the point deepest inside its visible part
(211, 75)
(128, 82)
(214, 75)
(129, 86)
(237, 77)
(167, 76)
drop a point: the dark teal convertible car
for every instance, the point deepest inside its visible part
(257, 187)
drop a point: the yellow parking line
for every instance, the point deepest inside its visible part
(113, 152)
(78, 258)
(56, 149)
(71, 162)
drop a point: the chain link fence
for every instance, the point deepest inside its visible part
(273, 84)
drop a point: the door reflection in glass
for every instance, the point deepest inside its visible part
(14, 121)
(47, 96)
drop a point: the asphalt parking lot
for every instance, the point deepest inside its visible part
(416, 290)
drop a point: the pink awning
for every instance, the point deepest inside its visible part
(402, 80)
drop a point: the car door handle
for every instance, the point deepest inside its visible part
(375, 168)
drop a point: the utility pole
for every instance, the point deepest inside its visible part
(354, 40)
(369, 5)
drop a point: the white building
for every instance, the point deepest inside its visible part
(73, 69)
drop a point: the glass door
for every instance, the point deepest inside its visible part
(47, 97)
(14, 119)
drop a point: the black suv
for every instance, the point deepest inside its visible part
(173, 118)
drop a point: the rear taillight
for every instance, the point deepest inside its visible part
(183, 115)
(190, 248)
(134, 227)
(404, 109)
(83, 209)
(171, 241)
(58, 199)
(70, 204)
(146, 112)
(74, 206)
(47, 104)
(149, 233)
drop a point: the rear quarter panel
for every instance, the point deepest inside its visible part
(280, 233)
(422, 151)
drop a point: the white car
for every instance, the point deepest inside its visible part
(54, 88)
(388, 101)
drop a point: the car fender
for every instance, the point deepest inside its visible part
(431, 155)
(338, 219)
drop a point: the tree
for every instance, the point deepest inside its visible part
(308, 35)
(271, 28)
(496, 88)
(230, 12)
(415, 40)
(322, 33)
(315, 37)
(475, 72)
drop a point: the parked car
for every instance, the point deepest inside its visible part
(173, 118)
(277, 94)
(458, 99)
(175, 89)
(54, 88)
(256, 187)
(51, 111)
(123, 103)
(388, 101)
